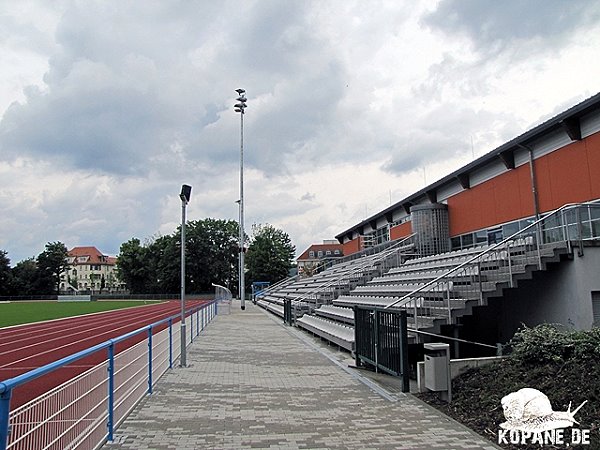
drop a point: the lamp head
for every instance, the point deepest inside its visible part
(240, 91)
(186, 192)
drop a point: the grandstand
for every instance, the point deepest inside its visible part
(511, 238)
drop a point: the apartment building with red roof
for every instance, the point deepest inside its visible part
(316, 254)
(91, 271)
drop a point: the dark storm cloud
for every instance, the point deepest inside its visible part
(493, 25)
(121, 102)
(515, 36)
(130, 87)
(106, 129)
(445, 133)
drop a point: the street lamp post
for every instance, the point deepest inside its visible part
(186, 192)
(240, 107)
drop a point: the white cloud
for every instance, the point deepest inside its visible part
(107, 108)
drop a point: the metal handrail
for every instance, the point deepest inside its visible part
(222, 288)
(384, 254)
(14, 382)
(278, 284)
(408, 297)
(7, 386)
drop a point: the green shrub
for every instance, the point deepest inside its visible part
(551, 343)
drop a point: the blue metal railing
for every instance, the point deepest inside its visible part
(206, 311)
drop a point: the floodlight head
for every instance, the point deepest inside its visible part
(241, 98)
(186, 192)
(240, 105)
(240, 91)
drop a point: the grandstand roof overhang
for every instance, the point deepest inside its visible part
(568, 121)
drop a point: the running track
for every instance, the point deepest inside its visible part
(26, 347)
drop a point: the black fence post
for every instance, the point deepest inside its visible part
(376, 338)
(404, 368)
(357, 326)
(286, 311)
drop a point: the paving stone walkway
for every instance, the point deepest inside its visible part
(254, 383)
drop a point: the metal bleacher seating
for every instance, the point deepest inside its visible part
(326, 301)
(308, 293)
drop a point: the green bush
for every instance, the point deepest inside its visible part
(551, 343)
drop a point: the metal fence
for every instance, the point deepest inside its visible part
(381, 340)
(84, 412)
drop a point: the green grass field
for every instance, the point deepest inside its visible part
(17, 313)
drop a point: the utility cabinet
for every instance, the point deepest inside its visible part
(437, 369)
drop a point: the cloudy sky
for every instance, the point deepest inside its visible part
(107, 107)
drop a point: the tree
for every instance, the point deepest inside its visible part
(211, 254)
(163, 257)
(270, 254)
(6, 276)
(211, 257)
(25, 277)
(132, 265)
(50, 264)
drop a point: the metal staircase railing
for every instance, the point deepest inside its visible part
(347, 275)
(467, 280)
(279, 284)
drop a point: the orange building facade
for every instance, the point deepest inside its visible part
(555, 163)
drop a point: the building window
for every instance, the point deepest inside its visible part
(596, 308)
(320, 254)
(455, 243)
(328, 252)
(336, 252)
(467, 240)
(311, 254)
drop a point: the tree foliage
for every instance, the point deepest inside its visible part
(6, 276)
(212, 246)
(50, 264)
(211, 257)
(132, 266)
(34, 276)
(270, 254)
(25, 276)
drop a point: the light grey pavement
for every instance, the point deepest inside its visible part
(255, 383)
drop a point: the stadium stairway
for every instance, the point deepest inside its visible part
(309, 293)
(481, 274)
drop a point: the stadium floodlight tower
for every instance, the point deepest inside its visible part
(186, 192)
(240, 107)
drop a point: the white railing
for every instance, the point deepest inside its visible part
(223, 298)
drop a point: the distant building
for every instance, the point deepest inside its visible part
(90, 271)
(315, 257)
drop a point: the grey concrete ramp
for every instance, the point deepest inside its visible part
(254, 383)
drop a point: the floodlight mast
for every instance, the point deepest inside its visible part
(240, 107)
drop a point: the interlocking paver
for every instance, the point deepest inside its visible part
(254, 383)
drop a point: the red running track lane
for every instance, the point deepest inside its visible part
(26, 347)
